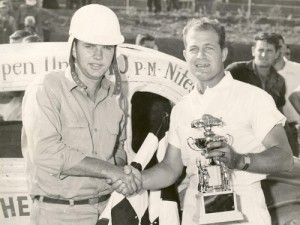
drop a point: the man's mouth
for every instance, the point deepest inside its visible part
(95, 66)
(202, 65)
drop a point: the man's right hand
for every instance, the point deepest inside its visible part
(126, 182)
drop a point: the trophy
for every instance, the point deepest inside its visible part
(215, 201)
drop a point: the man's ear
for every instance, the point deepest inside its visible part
(74, 50)
(224, 54)
(253, 49)
(184, 54)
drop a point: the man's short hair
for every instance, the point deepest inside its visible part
(141, 38)
(19, 34)
(32, 38)
(205, 23)
(270, 38)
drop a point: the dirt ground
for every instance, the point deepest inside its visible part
(167, 27)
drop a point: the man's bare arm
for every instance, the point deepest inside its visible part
(277, 157)
(295, 101)
(164, 173)
(91, 167)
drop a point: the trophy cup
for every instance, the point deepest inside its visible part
(215, 201)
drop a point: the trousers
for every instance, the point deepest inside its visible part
(57, 214)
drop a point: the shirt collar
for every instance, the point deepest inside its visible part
(224, 82)
(251, 66)
(74, 83)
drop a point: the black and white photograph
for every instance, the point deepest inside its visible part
(149, 112)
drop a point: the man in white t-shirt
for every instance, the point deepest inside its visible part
(290, 72)
(259, 146)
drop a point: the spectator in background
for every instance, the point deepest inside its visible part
(156, 4)
(287, 52)
(14, 6)
(259, 71)
(30, 24)
(30, 9)
(146, 40)
(7, 23)
(32, 38)
(290, 72)
(172, 5)
(18, 36)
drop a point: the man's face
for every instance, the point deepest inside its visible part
(204, 56)
(4, 10)
(93, 60)
(281, 50)
(14, 41)
(264, 53)
(287, 53)
(149, 44)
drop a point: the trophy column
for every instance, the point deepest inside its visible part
(215, 201)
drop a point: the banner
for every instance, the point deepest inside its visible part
(21, 63)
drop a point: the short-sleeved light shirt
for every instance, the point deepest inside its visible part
(248, 113)
(291, 74)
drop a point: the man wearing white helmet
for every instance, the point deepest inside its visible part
(73, 127)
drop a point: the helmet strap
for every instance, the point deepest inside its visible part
(118, 80)
(75, 76)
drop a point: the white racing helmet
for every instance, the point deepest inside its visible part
(96, 24)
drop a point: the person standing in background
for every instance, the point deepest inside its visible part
(287, 52)
(260, 71)
(30, 8)
(156, 4)
(146, 40)
(290, 71)
(18, 36)
(7, 23)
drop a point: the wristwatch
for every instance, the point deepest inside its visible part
(247, 162)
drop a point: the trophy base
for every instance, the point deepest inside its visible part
(216, 207)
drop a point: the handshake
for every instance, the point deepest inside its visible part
(126, 181)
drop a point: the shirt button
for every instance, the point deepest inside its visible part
(95, 129)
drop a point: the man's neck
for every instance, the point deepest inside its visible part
(263, 71)
(279, 65)
(93, 86)
(203, 85)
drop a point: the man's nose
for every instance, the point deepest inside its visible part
(263, 53)
(98, 54)
(201, 53)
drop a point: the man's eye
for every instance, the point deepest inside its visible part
(90, 46)
(108, 47)
(193, 50)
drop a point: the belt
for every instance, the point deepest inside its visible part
(90, 201)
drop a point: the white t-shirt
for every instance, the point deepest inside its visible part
(248, 113)
(291, 74)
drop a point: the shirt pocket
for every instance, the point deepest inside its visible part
(110, 137)
(76, 134)
(113, 127)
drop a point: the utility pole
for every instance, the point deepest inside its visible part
(249, 9)
(127, 6)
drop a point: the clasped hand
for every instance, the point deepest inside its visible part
(222, 152)
(126, 182)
